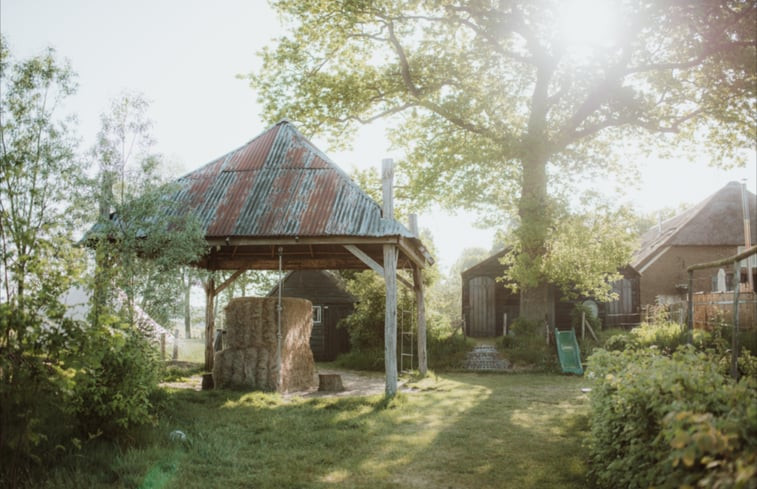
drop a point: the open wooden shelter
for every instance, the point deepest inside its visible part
(278, 202)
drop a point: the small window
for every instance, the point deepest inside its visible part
(317, 314)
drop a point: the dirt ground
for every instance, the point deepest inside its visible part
(355, 383)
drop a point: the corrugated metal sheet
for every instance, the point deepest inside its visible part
(280, 185)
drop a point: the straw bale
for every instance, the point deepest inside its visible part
(249, 360)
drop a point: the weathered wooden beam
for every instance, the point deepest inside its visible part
(725, 261)
(373, 265)
(229, 280)
(362, 256)
(390, 320)
(288, 241)
(390, 278)
(210, 294)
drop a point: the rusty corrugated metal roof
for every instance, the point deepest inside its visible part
(280, 185)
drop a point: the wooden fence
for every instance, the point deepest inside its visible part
(715, 308)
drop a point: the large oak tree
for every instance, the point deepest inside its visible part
(495, 101)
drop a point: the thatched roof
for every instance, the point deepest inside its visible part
(716, 221)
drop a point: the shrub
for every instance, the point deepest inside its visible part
(621, 342)
(447, 352)
(652, 417)
(115, 393)
(668, 336)
(531, 350)
(368, 359)
(525, 327)
(36, 371)
(583, 311)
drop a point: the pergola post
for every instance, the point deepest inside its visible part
(390, 319)
(210, 322)
(211, 291)
(390, 278)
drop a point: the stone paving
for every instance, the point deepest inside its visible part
(486, 358)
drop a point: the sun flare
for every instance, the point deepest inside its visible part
(588, 22)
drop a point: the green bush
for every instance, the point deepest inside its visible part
(369, 359)
(668, 336)
(36, 378)
(530, 350)
(621, 342)
(525, 327)
(660, 421)
(447, 352)
(115, 393)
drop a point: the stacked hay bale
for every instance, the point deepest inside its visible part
(249, 360)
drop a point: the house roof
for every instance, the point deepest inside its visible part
(718, 220)
(487, 265)
(279, 184)
(315, 279)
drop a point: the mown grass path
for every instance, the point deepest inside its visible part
(455, 431)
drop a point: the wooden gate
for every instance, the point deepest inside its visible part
(482, 320)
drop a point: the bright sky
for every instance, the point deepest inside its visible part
(184, 55)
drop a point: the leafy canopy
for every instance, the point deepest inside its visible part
(498, 104)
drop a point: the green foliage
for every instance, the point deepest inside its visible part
(666, 336)
(113, 394)
(666, 421)
(364, 359)
(446, 351)
(65, 381)
(497, 112)
(526, 345)
(526, 327)
(579, 311)
(142, 238)
(41, 180)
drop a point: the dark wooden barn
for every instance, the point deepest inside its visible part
(331, 303)
(487, 302)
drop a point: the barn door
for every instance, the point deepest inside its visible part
(482, 306)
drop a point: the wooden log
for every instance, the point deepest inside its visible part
(330, 383)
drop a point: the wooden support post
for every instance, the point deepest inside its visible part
(390, 319)
(583, 325)
(735, 334)
(421, 306)
(690, 297)
(210, 322)
(175, 355)
(390, 278)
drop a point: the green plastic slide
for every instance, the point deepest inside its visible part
(567, 350)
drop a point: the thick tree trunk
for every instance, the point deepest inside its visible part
(536, 301)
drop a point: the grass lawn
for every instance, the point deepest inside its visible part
(455, 431)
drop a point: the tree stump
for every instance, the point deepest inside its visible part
(330, 383)
(207, 381)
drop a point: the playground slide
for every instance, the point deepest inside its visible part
(567, 350)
